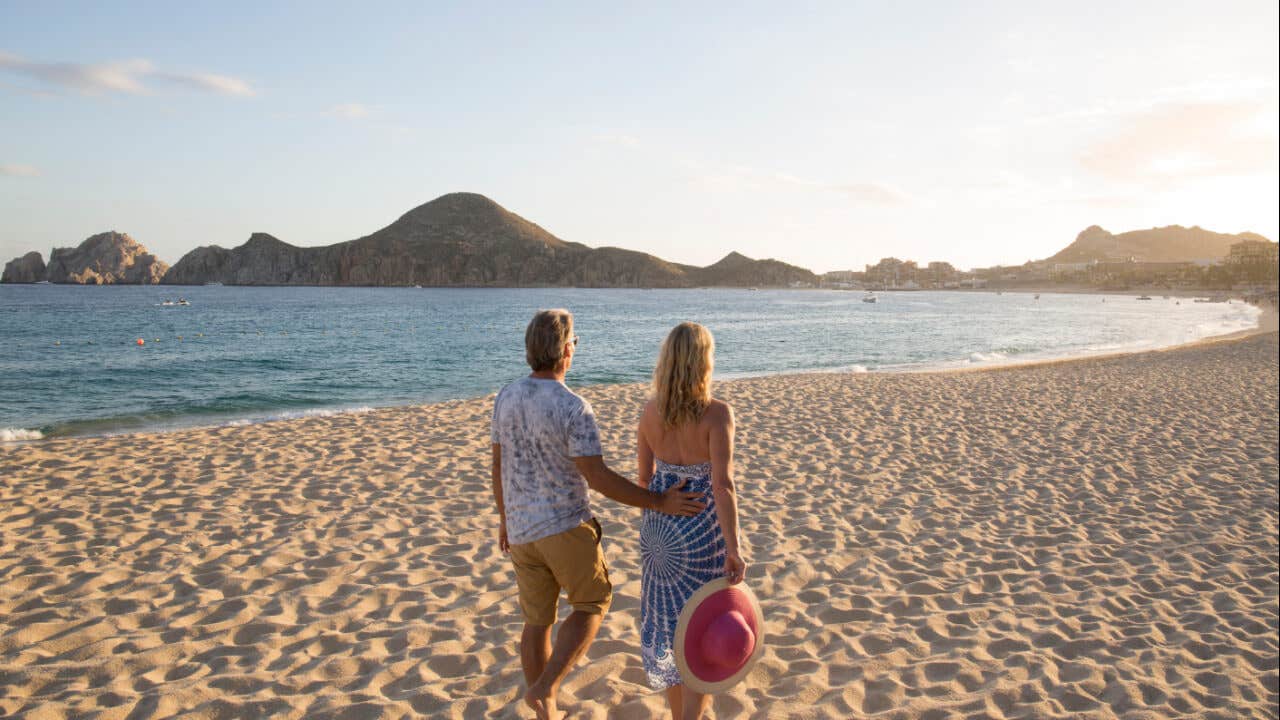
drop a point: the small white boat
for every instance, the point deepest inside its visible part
(213, 283)
(43, 282)
(870, 297)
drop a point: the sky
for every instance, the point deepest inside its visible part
(827, 135)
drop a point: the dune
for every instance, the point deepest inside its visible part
(1094, 538)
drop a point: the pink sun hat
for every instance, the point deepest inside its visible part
(719, 637)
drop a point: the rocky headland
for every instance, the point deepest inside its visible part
(463, 240)
(26, 269)
(108, 258)
(457, 240)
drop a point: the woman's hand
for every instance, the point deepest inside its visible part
(503, 544)
(735, 568)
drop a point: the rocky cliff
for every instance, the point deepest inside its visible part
(462, 239)
(27, 269)
(1166, 244)
(104, 259)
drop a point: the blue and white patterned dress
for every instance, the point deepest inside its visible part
(678, 556)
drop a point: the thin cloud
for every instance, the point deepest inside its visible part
(130, 77)
(1173, 143)
(616, 139)
(350, 111)
(733, 177)
(872, 193)
(15, 170)
(208, 82)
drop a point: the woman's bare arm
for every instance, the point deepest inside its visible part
(644, 452)
(723, 489)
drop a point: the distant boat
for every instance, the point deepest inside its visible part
(213, 284)
(43, 282)
(1037, 296)
(870, 297)
(1144, 297)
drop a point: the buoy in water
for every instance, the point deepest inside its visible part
(141, 341)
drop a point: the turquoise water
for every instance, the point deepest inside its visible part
(70, 363)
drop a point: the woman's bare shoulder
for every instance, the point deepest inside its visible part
(649, 409)
(649, 413)
(719, 411)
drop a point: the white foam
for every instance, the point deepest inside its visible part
(18, 435)
(992, 356)
(296, 415)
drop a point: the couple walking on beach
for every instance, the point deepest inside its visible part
(699, 627)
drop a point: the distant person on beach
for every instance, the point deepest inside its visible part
(685, 439)
(546, 454)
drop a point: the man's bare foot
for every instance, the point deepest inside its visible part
(543, 703)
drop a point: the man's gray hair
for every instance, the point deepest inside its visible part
(544, 340)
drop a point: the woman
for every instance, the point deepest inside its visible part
(684, 434)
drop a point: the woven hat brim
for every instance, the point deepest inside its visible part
(682, 626)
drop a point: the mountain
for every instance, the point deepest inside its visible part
(739, 270)
(1167, 244)
(103, 259)
(463, 239)
(27, 269)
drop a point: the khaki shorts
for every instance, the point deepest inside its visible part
(572, 560)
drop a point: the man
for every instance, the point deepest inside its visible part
(546, 454)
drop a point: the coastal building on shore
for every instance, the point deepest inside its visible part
(842, 280)
(1254, 260)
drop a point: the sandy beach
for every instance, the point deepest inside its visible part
(1092, 538)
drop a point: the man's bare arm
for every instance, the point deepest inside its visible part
(496, 480)
(619, 489)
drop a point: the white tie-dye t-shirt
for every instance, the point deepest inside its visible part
(541, 426)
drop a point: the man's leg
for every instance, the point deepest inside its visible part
(576, 560)
(572, 640)
(535, 650)
(538, 596)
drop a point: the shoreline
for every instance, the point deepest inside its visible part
(1268, 320)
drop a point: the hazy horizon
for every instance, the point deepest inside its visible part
(825, 137)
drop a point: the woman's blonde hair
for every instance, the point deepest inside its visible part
(682, 377)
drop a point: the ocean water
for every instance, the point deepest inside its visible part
(70, 363)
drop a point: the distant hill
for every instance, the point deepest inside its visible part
(463, 240)
(109, 258)
(1167, 244)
